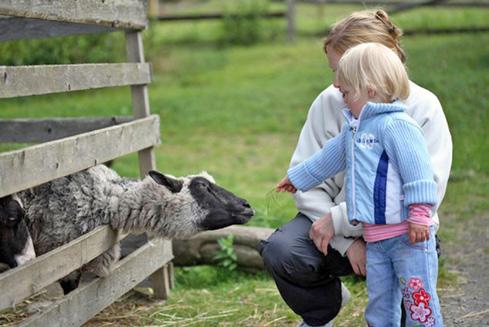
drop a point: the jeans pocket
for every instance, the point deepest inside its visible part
(421, 246)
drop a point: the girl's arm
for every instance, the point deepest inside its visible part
(325, 163)
(323, 122)
(405, 145)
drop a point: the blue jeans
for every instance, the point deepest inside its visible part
(398, 270)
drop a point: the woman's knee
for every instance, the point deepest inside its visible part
(293, 259)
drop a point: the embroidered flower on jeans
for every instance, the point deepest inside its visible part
(421, 297)
(415, 283)
(430, 322)
(407, 295)
(419, 312)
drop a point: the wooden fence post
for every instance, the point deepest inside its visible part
(140, 101)
(153, 8)
(291, 20)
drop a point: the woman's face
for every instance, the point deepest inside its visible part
(333, 59)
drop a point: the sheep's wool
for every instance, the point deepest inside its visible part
(68, 207)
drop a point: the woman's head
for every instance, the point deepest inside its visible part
(362, 27)
(373, 72)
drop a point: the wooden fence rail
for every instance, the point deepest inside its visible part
(26, 130)
(126, 14)
(83, 303)
(41, 163)
(26, 280)
(209, 16)
(36, 80)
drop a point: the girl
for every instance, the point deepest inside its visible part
(390, 185)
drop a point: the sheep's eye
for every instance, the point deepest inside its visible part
(204, 187)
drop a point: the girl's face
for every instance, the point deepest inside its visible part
(355, 105)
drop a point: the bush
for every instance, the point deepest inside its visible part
(243, 23)
(107, 47)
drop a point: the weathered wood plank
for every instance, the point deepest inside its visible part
(41, 163)
(15, 28)
(44, 130)
(290, 20)
(28, 279)
(44, 79)
(140, 98)
(127, 14)
(147, 160)
(83, 303)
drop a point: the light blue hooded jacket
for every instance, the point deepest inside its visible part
(386, 160)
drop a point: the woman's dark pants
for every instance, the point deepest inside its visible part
(306, 279)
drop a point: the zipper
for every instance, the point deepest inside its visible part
(354, 131)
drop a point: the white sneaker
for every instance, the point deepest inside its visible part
(345, 297)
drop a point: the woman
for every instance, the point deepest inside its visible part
(308, 254)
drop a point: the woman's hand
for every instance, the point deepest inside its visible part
(356, 253)
(321, 232)
(418, 233)
(285, 186)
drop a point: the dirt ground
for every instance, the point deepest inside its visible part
(467, 305)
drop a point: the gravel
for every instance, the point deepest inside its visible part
(467, 304)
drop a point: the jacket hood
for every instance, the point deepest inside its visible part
(372, 109)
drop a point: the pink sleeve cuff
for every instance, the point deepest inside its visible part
(420, 214)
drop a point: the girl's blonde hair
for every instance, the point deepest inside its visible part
(373, 66)
(362, 27)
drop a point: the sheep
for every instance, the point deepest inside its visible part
(159, 205)
(15, 242)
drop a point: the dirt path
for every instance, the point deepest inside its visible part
(468, 254)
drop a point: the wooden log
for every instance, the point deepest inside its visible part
(83, 303)
(38, 164)
(202, 248)
(45, 130)
(126, 14)
(45, 79)
(28, 279)
(15, 28)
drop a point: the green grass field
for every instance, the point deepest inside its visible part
(236, 112)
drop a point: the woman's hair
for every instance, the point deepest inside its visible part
(362, 27)
(374, 66)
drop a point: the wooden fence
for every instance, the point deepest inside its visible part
(154, 11)
(71, 145)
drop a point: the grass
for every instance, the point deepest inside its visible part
(236, 112)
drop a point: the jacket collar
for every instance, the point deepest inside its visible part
(372, 109)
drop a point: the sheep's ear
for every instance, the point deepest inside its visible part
(174, 185)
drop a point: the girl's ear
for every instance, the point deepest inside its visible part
(371, 92)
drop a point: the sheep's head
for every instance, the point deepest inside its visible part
(14, 234)
(11, 211)
(222, 207)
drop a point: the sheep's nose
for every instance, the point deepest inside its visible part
(246, 204)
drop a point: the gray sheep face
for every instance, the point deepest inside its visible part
(222, 207)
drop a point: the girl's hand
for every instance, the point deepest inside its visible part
(418, 233)
(285, 186)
